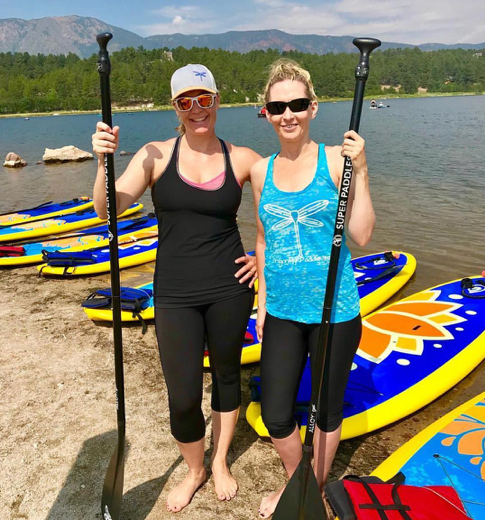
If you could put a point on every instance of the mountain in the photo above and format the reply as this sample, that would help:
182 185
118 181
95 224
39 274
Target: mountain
245 41
61 35
77 34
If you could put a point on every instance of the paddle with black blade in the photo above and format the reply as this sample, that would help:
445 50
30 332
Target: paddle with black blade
302 499
113 483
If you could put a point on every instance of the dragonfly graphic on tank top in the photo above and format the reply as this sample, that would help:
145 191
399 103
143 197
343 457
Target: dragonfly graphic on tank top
297 217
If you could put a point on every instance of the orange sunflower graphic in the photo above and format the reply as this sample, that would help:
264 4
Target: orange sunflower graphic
404 326
467 433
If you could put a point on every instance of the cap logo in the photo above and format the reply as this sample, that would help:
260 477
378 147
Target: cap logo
200 74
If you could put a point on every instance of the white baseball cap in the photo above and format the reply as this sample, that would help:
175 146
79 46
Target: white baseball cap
192 77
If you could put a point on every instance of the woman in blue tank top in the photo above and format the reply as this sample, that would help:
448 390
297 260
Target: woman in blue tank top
296 193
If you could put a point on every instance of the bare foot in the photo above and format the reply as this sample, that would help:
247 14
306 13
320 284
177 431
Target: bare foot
269 503
225 484
181 495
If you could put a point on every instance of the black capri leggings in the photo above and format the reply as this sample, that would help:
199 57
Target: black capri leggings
181 335
286 345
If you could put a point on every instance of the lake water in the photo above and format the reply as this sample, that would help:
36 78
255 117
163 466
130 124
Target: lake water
426 160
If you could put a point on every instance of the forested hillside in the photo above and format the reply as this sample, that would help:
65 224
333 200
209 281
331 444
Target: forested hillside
51 83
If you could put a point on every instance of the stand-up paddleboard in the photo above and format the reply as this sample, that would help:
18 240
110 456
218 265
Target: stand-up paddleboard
95 261
379 276
46 210
411 352
449 452
106 314
31 253
57 225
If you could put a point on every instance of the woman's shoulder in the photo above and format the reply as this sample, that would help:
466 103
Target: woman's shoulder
258 172
157 147
335 162
334 155
242 152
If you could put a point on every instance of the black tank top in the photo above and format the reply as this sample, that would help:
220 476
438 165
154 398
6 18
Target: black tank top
198 238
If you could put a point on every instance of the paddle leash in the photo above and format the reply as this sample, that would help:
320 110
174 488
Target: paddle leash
113 483
302 499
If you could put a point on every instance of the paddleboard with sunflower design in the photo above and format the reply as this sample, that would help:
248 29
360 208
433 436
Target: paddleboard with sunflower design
411 352
449 452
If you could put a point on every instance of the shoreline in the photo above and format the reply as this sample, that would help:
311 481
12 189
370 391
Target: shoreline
139 108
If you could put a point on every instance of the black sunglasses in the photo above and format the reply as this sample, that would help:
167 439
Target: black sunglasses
276 108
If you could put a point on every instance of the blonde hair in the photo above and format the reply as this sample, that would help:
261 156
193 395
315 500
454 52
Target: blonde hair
283 69
181 129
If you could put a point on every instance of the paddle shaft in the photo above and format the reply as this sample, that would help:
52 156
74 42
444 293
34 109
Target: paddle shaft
365 45
104 69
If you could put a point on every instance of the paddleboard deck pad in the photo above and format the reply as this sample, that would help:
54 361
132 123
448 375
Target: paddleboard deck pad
411 352
449 452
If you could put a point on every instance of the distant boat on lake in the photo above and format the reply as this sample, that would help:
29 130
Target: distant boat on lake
262 112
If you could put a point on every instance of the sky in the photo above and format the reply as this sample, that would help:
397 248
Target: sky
403 21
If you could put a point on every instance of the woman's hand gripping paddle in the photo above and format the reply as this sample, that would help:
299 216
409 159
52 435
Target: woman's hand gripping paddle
113 483
302 499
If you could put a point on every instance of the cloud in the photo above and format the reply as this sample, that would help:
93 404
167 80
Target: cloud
404 21
291 17
189 19
172 11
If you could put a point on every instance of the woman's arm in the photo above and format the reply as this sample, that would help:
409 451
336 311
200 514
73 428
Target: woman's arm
258 174
135 179
360 211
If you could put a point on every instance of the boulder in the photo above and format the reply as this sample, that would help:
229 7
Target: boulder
66 154
12 160
123 152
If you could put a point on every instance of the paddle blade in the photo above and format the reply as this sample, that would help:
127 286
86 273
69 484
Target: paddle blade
301 499
113 485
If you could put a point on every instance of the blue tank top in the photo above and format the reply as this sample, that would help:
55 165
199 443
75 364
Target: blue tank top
298 228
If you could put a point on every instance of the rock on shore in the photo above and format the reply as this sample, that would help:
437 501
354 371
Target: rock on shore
66 154
12 160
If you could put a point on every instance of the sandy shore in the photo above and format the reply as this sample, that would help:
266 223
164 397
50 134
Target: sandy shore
58 422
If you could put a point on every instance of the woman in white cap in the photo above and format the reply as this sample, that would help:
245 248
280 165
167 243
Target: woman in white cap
201 291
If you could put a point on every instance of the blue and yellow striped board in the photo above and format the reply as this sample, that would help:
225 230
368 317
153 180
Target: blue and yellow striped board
56 225
128 230
46 210
140 250
373 293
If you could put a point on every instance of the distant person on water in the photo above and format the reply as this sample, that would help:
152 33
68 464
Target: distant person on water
296 193
203 281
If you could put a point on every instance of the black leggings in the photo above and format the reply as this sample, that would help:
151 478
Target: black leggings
181 337
286 345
